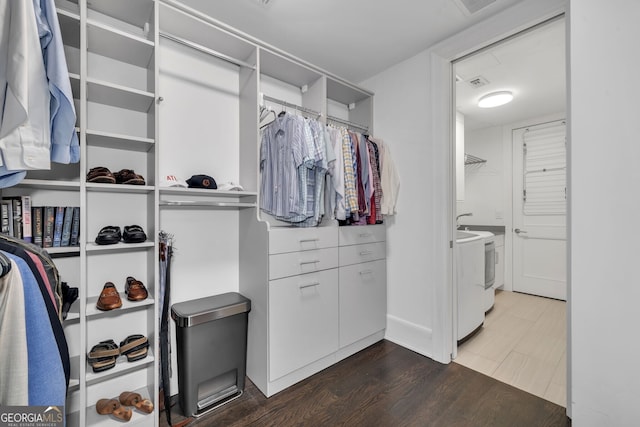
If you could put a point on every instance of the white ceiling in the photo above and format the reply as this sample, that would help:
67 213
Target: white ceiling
353 39
357 39
531 66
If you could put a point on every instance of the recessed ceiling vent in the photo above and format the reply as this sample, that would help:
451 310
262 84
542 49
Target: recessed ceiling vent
477 82
469 7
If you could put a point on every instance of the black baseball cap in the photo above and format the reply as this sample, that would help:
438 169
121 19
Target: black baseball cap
202 181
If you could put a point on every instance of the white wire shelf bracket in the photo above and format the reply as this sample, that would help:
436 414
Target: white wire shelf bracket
473 160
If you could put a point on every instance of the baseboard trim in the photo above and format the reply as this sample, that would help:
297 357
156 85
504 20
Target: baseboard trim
410 335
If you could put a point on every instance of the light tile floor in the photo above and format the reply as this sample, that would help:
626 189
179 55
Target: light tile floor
523 343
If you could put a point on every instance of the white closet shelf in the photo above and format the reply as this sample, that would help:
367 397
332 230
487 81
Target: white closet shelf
119 188
204 198
206 192
50 184
120 247
74 377
103 92
73 315
127 305
74 384
135 13
114 140
69 20
206 204
75 83
186 23
280 68
121 367
68 9
345 93
95 419
114 43
75 250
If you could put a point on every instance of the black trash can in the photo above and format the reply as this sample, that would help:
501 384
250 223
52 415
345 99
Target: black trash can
211 336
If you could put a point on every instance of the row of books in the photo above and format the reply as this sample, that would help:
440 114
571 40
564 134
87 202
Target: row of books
44 226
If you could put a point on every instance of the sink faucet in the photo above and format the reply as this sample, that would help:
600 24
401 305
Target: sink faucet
464 214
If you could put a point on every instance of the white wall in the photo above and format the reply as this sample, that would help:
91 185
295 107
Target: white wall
412 112
484 183
401 100
604 200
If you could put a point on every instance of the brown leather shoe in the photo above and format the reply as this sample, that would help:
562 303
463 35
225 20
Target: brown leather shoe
135 290
109 298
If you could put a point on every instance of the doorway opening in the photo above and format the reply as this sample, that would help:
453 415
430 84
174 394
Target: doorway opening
522 339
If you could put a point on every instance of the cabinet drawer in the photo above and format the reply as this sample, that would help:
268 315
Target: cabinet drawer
293 263
357 234
301 239
356 254
363 300
303 320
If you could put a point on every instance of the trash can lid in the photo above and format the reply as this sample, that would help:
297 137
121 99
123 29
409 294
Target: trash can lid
195 312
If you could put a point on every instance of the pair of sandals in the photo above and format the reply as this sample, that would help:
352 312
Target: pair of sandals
120 408
111 234
103 175
104 354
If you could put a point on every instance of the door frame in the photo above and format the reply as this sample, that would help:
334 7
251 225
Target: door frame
442 104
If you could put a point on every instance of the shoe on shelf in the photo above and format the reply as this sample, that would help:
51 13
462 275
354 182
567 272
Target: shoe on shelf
103 355
133 234
130 398
113 407
102 175
109 298
135 289
135 347
109 235
128 177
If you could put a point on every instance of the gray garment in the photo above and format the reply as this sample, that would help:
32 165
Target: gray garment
14 364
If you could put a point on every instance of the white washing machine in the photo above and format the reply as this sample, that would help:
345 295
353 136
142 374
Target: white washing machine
489 267
470 278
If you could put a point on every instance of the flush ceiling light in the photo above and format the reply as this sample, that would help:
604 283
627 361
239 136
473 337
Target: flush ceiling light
495 99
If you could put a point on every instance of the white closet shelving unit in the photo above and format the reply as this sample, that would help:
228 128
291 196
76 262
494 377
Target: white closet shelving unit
291 275
110 46
164 90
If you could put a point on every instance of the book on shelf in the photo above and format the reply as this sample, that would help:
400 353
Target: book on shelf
5 218
57 226
26 219
15 227
36 224
75 227
48 220
66 226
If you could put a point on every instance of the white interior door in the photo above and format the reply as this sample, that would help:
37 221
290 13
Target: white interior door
539 210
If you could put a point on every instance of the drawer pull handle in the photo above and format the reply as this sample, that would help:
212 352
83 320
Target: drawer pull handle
315 239
363 235
366 272
309 285
309 262
363 253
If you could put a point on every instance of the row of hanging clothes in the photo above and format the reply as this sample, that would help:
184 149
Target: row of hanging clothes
310 170
34 357
37 114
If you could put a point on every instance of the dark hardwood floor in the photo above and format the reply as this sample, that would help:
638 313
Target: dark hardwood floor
387 385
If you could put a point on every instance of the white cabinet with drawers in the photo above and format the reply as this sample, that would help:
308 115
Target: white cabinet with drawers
325 299
303 320
363 283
